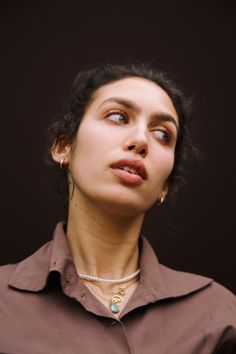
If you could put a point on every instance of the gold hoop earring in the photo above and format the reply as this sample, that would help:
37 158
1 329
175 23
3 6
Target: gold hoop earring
61 163
160 200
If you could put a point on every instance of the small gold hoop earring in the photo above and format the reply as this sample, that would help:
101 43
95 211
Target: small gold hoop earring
160 201
61 163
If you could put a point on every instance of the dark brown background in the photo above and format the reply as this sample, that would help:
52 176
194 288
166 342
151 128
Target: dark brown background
44 44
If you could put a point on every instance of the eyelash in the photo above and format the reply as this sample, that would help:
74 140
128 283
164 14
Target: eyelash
164 132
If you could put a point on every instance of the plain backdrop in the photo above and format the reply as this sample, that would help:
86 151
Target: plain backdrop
45 43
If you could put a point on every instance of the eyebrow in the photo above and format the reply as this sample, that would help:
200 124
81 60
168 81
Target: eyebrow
157 116
124 102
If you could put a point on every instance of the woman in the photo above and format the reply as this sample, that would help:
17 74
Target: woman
97 287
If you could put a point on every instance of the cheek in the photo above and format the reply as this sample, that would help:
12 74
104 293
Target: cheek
86 145
93 139
164 165
91 149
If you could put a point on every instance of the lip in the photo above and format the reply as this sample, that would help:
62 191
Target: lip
130 177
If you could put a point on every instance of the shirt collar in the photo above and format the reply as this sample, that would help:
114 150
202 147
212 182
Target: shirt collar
157 282
166 281
32 273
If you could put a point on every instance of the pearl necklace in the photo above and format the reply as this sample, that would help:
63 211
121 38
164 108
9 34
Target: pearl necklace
110 281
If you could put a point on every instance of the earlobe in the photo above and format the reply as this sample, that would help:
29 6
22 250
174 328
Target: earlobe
60 151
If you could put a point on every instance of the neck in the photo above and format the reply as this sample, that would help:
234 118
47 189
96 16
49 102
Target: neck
103 244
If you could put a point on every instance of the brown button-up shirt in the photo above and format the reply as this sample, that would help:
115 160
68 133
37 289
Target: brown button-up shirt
46 309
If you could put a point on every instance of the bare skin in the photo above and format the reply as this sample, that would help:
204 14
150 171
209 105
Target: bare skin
106 248
107 206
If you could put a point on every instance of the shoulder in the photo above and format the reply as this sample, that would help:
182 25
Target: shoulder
209 304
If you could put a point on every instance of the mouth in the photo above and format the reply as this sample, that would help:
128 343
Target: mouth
132 167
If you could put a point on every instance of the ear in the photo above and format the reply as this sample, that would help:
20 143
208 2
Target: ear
60 151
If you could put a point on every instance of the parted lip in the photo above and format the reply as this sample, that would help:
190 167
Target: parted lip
132 163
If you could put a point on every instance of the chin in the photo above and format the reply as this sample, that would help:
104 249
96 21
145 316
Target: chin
120 201
125 207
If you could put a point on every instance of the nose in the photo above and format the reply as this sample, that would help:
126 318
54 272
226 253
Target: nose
137 142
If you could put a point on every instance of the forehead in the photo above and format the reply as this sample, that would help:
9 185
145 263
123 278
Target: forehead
144 92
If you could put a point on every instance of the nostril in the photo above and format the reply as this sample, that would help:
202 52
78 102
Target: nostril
132 147
143 152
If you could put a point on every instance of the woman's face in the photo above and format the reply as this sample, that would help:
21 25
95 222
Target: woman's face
123 152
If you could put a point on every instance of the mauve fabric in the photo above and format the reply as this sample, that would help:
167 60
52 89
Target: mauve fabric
46 309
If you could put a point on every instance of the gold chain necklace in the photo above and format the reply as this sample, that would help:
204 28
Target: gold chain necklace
117 298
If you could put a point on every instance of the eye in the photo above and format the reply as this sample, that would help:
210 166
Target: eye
118 117
163 135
